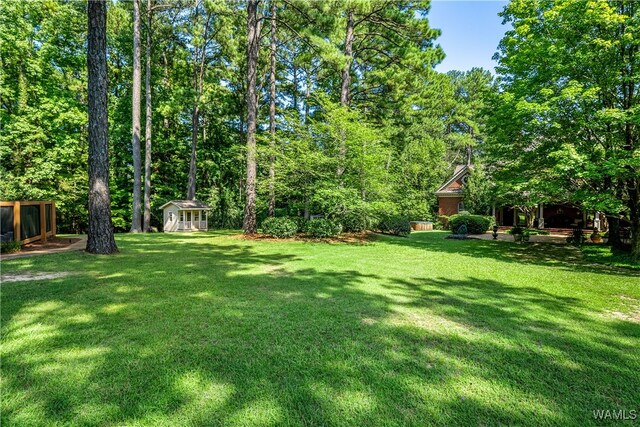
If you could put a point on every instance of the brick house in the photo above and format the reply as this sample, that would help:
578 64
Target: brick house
450 198
557 215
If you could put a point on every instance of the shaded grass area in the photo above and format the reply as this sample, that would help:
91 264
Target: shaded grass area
209 329
607 255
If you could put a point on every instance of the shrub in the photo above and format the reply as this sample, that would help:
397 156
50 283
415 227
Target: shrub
323 228
279 227
395 224
10 247
476 224
301 223
516 230
443 222
492 220
355 222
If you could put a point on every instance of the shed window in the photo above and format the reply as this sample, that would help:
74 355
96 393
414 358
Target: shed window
460 206
170 216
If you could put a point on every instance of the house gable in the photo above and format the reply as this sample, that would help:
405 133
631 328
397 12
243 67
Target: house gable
453 187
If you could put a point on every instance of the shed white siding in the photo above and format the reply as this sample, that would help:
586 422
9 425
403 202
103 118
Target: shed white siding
171 217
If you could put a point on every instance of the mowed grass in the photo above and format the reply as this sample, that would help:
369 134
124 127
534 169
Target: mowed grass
211 329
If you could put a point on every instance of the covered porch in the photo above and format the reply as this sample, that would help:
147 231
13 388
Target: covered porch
550 217
194 220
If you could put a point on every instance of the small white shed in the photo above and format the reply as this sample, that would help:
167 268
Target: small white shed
185 215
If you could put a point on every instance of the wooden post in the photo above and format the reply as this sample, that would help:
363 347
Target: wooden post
43 223
53 219
16 221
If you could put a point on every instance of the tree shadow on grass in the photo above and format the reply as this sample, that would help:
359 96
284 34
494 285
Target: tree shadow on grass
228 335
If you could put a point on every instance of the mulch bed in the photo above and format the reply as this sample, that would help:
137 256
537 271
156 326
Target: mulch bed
51 243
351 238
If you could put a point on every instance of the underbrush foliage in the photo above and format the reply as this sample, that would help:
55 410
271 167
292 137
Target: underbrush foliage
323 227
10 247
279 227
355 222
395 224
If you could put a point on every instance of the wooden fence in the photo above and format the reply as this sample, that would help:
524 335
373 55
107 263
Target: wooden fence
28 221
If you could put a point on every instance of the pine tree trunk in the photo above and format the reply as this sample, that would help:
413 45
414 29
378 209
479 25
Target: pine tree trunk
100 236
165 85
346 83
634 214
146 225
348 52
249 224
195 120
136 225
272 113
307 96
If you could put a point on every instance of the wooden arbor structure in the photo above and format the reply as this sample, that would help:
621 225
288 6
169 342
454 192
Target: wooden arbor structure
28 221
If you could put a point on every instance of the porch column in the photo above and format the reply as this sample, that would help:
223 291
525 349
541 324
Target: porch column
541 216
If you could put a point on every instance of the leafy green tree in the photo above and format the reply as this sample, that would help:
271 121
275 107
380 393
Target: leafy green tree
568 111
479 191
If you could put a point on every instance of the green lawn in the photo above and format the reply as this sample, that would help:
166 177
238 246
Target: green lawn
211 329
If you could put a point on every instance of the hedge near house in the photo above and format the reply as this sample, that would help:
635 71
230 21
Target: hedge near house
476 224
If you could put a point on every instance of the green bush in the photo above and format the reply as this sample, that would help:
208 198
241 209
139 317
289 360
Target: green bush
395 224
10 247
301 223
323 228
355 222
476 224
279 227
491 219
516 230
442 223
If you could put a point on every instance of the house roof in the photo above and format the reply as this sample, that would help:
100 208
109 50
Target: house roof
460 171
186 204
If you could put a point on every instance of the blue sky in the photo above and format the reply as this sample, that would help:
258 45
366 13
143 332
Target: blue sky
471 31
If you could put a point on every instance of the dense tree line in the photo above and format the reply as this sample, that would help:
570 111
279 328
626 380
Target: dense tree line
345 108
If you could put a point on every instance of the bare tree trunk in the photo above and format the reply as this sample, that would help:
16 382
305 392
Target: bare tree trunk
634 214
294 73
199 59
253 26
272 113
346 83
348 52
165 84
100 237
307 95
147 130
136 225
195 119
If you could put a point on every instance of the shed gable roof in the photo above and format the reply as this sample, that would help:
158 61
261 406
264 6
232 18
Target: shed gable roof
186 204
